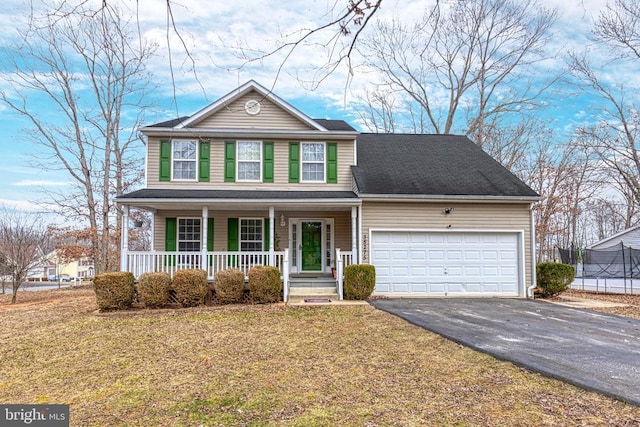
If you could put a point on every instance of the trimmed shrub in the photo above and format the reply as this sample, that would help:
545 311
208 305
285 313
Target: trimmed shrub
153 289
359 281
553 278
190 286
114 291
265 285
229 286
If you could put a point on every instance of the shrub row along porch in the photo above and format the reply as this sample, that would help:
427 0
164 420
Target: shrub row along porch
140 262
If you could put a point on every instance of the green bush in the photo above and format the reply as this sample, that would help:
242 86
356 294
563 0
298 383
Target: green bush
359 281
229 286
265 285
114 291
190 286
553 278
153 289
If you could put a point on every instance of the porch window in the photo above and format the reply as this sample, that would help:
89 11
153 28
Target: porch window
313 162
189 234
251 234
249 160
185 155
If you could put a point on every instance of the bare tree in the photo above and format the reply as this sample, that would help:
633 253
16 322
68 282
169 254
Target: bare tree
468 66
614 136
23 242
89 68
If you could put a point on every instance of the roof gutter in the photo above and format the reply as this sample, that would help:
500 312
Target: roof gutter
248 133
265 202
447 198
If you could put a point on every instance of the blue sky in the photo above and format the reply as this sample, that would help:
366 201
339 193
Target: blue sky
212 29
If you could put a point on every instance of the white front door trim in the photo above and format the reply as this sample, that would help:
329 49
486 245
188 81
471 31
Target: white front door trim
327 246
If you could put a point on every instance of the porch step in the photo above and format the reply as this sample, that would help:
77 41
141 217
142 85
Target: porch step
312 282
315 292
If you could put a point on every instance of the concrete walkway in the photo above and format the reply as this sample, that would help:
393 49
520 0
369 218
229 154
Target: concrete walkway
595 351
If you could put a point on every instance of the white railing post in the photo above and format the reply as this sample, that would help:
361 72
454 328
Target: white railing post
339 268
285 276
124 241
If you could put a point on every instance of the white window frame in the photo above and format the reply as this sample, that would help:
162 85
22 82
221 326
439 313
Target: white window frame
238 161
240 240
178 240
195 160
303 162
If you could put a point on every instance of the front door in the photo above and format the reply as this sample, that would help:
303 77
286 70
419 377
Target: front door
311 246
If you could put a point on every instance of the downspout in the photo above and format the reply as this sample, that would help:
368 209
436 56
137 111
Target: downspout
533 254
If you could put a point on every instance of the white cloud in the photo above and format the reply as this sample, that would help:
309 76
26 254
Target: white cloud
41 183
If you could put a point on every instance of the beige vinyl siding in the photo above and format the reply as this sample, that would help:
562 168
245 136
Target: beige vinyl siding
233 116
281 170
342 224
465 216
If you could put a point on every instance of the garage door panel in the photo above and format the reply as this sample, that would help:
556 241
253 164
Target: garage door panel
436 263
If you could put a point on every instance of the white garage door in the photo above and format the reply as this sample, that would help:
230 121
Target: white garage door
445 264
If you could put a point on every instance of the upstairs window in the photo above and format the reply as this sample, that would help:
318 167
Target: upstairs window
313 166
185 157
249 161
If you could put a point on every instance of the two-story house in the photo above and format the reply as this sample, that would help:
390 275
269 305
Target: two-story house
251 180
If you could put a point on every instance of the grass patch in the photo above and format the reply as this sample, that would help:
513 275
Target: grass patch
269 365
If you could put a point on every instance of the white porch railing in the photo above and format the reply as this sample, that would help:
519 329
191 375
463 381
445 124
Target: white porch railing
170 262
139 263
344 259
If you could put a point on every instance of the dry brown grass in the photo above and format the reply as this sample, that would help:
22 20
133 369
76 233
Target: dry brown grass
268 365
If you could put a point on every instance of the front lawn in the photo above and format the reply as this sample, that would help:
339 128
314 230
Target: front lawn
268 365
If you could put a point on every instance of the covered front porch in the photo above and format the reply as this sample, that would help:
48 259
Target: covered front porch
300 238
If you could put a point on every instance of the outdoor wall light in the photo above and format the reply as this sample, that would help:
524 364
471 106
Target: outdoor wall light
447 211
283 220
138 223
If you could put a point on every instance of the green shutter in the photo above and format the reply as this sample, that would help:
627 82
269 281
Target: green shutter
232 234
332 163
170 234
267 161
229 161
210 234
170 239
294 162
266 234
203 161
165 160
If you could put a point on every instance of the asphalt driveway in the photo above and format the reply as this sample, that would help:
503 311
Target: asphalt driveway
595 351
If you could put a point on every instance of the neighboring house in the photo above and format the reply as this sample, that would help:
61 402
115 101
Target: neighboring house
629 237
252 180
81 268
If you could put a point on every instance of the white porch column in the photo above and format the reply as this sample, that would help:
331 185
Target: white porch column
360 258
152 231
354 235
205 223
124 241
272 230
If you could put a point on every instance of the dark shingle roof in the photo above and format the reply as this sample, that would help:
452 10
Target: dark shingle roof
169 123
334 124
449 165
166 193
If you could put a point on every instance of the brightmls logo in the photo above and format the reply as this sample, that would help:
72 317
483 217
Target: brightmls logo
34 415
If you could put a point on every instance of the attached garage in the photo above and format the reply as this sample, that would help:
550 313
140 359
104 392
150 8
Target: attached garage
435 263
